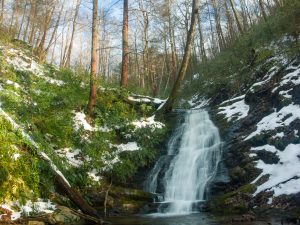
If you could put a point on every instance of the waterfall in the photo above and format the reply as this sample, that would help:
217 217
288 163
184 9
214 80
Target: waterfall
195 151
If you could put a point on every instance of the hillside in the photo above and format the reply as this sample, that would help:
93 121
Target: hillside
260 127
42 117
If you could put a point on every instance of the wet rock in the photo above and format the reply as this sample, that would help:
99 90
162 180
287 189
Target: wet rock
244 218
36 223
268 157
63 215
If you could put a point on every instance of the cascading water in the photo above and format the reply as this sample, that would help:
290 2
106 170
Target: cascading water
195 151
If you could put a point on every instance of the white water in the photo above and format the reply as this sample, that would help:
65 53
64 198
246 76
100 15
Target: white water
194 164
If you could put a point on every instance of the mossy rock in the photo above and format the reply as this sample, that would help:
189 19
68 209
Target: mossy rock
236 202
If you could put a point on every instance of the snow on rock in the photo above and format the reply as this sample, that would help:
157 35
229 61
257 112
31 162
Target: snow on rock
277 119
148 122
197 103
145 99
73 157
284 177
236 110
279 60
290 79
37 207
130 146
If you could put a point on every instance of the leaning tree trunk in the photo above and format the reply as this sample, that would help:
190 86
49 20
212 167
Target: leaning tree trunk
93 89
185 61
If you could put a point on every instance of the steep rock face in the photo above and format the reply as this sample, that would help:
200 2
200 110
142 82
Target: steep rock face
261 134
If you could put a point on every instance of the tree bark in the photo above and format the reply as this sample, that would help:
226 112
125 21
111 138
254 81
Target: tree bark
172 43
22 21
262 9
2 12
93 89
125 53
55 27
221 38
41 50
185 61
33 25
236 17
68 60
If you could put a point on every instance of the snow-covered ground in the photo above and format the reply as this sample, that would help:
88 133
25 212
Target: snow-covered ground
20 61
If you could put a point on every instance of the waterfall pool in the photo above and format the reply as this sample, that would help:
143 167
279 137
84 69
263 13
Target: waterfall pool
191 219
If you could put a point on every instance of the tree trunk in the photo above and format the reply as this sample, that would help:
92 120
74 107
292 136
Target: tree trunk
185 61
41 50
229 20
202 47
2 12
221 38
236 17
22 21
125 53
93 89
172 43
33 25
68 58
262 9
55 27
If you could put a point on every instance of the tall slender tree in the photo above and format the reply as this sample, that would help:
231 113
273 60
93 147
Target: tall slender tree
185 61
93 88
125 53
239 25
2 11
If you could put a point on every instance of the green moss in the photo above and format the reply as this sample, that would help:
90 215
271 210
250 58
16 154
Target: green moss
247 189
19 178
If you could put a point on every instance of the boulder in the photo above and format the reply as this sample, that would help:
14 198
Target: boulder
63 215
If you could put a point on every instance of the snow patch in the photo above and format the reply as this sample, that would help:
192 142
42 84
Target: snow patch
37 207
130 146
93 174
73 156
236 110
148 122
284 176
80 121
16 85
